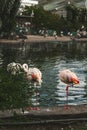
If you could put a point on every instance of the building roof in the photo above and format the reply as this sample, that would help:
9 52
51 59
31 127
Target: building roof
29 2
59 4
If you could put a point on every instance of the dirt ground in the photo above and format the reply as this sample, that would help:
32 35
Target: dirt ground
36 38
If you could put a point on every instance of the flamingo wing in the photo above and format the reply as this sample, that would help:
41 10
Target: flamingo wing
34 74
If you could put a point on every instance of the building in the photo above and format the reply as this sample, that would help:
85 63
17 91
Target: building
58 6
52 4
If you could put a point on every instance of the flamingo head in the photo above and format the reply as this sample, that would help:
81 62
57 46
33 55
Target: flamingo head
75 81
25 68
36 78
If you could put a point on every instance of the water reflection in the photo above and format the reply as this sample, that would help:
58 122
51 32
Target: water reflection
50 58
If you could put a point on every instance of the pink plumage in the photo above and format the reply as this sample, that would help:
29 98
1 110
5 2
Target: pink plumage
33 74
69 78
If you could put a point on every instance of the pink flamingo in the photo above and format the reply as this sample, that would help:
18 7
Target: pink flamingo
33 75
69 78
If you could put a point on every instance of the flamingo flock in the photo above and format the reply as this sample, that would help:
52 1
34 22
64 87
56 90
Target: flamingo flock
34 75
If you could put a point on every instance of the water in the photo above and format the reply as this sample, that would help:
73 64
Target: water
50 58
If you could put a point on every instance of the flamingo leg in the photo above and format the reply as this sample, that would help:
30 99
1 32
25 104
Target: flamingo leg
36 95
30 107
37 108
72 84
67 88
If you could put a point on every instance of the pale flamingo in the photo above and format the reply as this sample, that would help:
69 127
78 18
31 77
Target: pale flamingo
69 78
33 75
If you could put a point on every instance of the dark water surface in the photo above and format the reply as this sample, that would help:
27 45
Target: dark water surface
50 58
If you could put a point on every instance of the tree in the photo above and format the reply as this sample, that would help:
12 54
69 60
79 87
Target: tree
42 18
15 91
8 11
72 12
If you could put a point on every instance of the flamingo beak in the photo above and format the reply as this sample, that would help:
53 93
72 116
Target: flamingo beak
75 81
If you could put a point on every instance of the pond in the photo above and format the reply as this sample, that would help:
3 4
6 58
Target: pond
50 58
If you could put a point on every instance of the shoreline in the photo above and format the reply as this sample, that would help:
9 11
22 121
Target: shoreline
59 111
31 38
36 39
42 39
